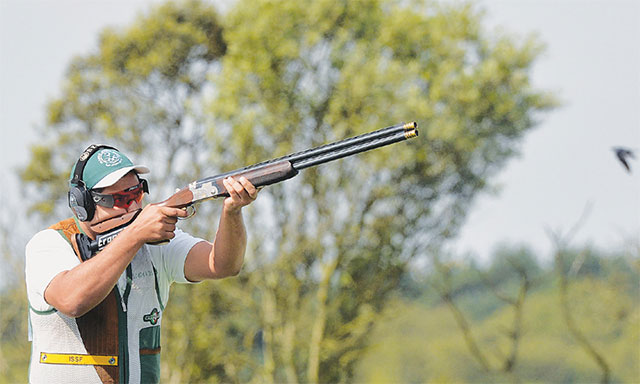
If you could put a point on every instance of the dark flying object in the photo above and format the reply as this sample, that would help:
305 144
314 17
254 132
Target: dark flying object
624 154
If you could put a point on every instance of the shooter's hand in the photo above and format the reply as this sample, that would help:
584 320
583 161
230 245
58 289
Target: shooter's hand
156 223
241 193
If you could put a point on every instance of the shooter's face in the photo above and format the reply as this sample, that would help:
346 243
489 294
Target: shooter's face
122 197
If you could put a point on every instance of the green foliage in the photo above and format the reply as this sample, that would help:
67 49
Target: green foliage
139 91
415 341
14 348
40 170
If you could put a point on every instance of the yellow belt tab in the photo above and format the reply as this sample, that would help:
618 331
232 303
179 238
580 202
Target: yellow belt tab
65 358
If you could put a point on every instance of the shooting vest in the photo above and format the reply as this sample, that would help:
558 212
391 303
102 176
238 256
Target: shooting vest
118 341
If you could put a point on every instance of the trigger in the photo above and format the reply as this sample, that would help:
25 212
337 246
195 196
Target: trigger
191 210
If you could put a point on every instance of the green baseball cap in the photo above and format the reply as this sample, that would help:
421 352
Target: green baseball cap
105 167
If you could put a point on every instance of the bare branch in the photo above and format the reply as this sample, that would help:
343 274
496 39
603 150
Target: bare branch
561 244
445 293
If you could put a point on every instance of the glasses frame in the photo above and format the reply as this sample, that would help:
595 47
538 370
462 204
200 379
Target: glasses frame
108 200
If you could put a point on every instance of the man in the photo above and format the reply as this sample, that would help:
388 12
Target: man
99 320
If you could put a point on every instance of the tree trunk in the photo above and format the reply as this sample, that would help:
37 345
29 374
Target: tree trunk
317 331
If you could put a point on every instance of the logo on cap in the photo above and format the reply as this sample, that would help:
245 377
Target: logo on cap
109 158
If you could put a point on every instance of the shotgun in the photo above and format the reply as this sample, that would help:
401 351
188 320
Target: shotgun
260 175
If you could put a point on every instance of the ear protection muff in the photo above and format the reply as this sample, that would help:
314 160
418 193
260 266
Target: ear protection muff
80 199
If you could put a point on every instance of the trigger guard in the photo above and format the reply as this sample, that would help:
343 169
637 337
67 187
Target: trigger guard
191 210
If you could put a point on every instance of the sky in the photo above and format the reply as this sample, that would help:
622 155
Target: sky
566 164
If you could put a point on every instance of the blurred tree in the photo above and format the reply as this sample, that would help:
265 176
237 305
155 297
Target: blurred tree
14 348
563 258
506 258
142 90
328 247
521 264
420 341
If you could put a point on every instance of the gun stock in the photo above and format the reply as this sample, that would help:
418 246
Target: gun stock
181 199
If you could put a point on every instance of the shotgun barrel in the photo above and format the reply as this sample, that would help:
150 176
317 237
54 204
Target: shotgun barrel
286 167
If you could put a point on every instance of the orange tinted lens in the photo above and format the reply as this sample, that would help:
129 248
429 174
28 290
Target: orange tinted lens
126 198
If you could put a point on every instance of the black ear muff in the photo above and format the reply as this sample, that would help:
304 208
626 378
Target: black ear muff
145 186
81 203
80 199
